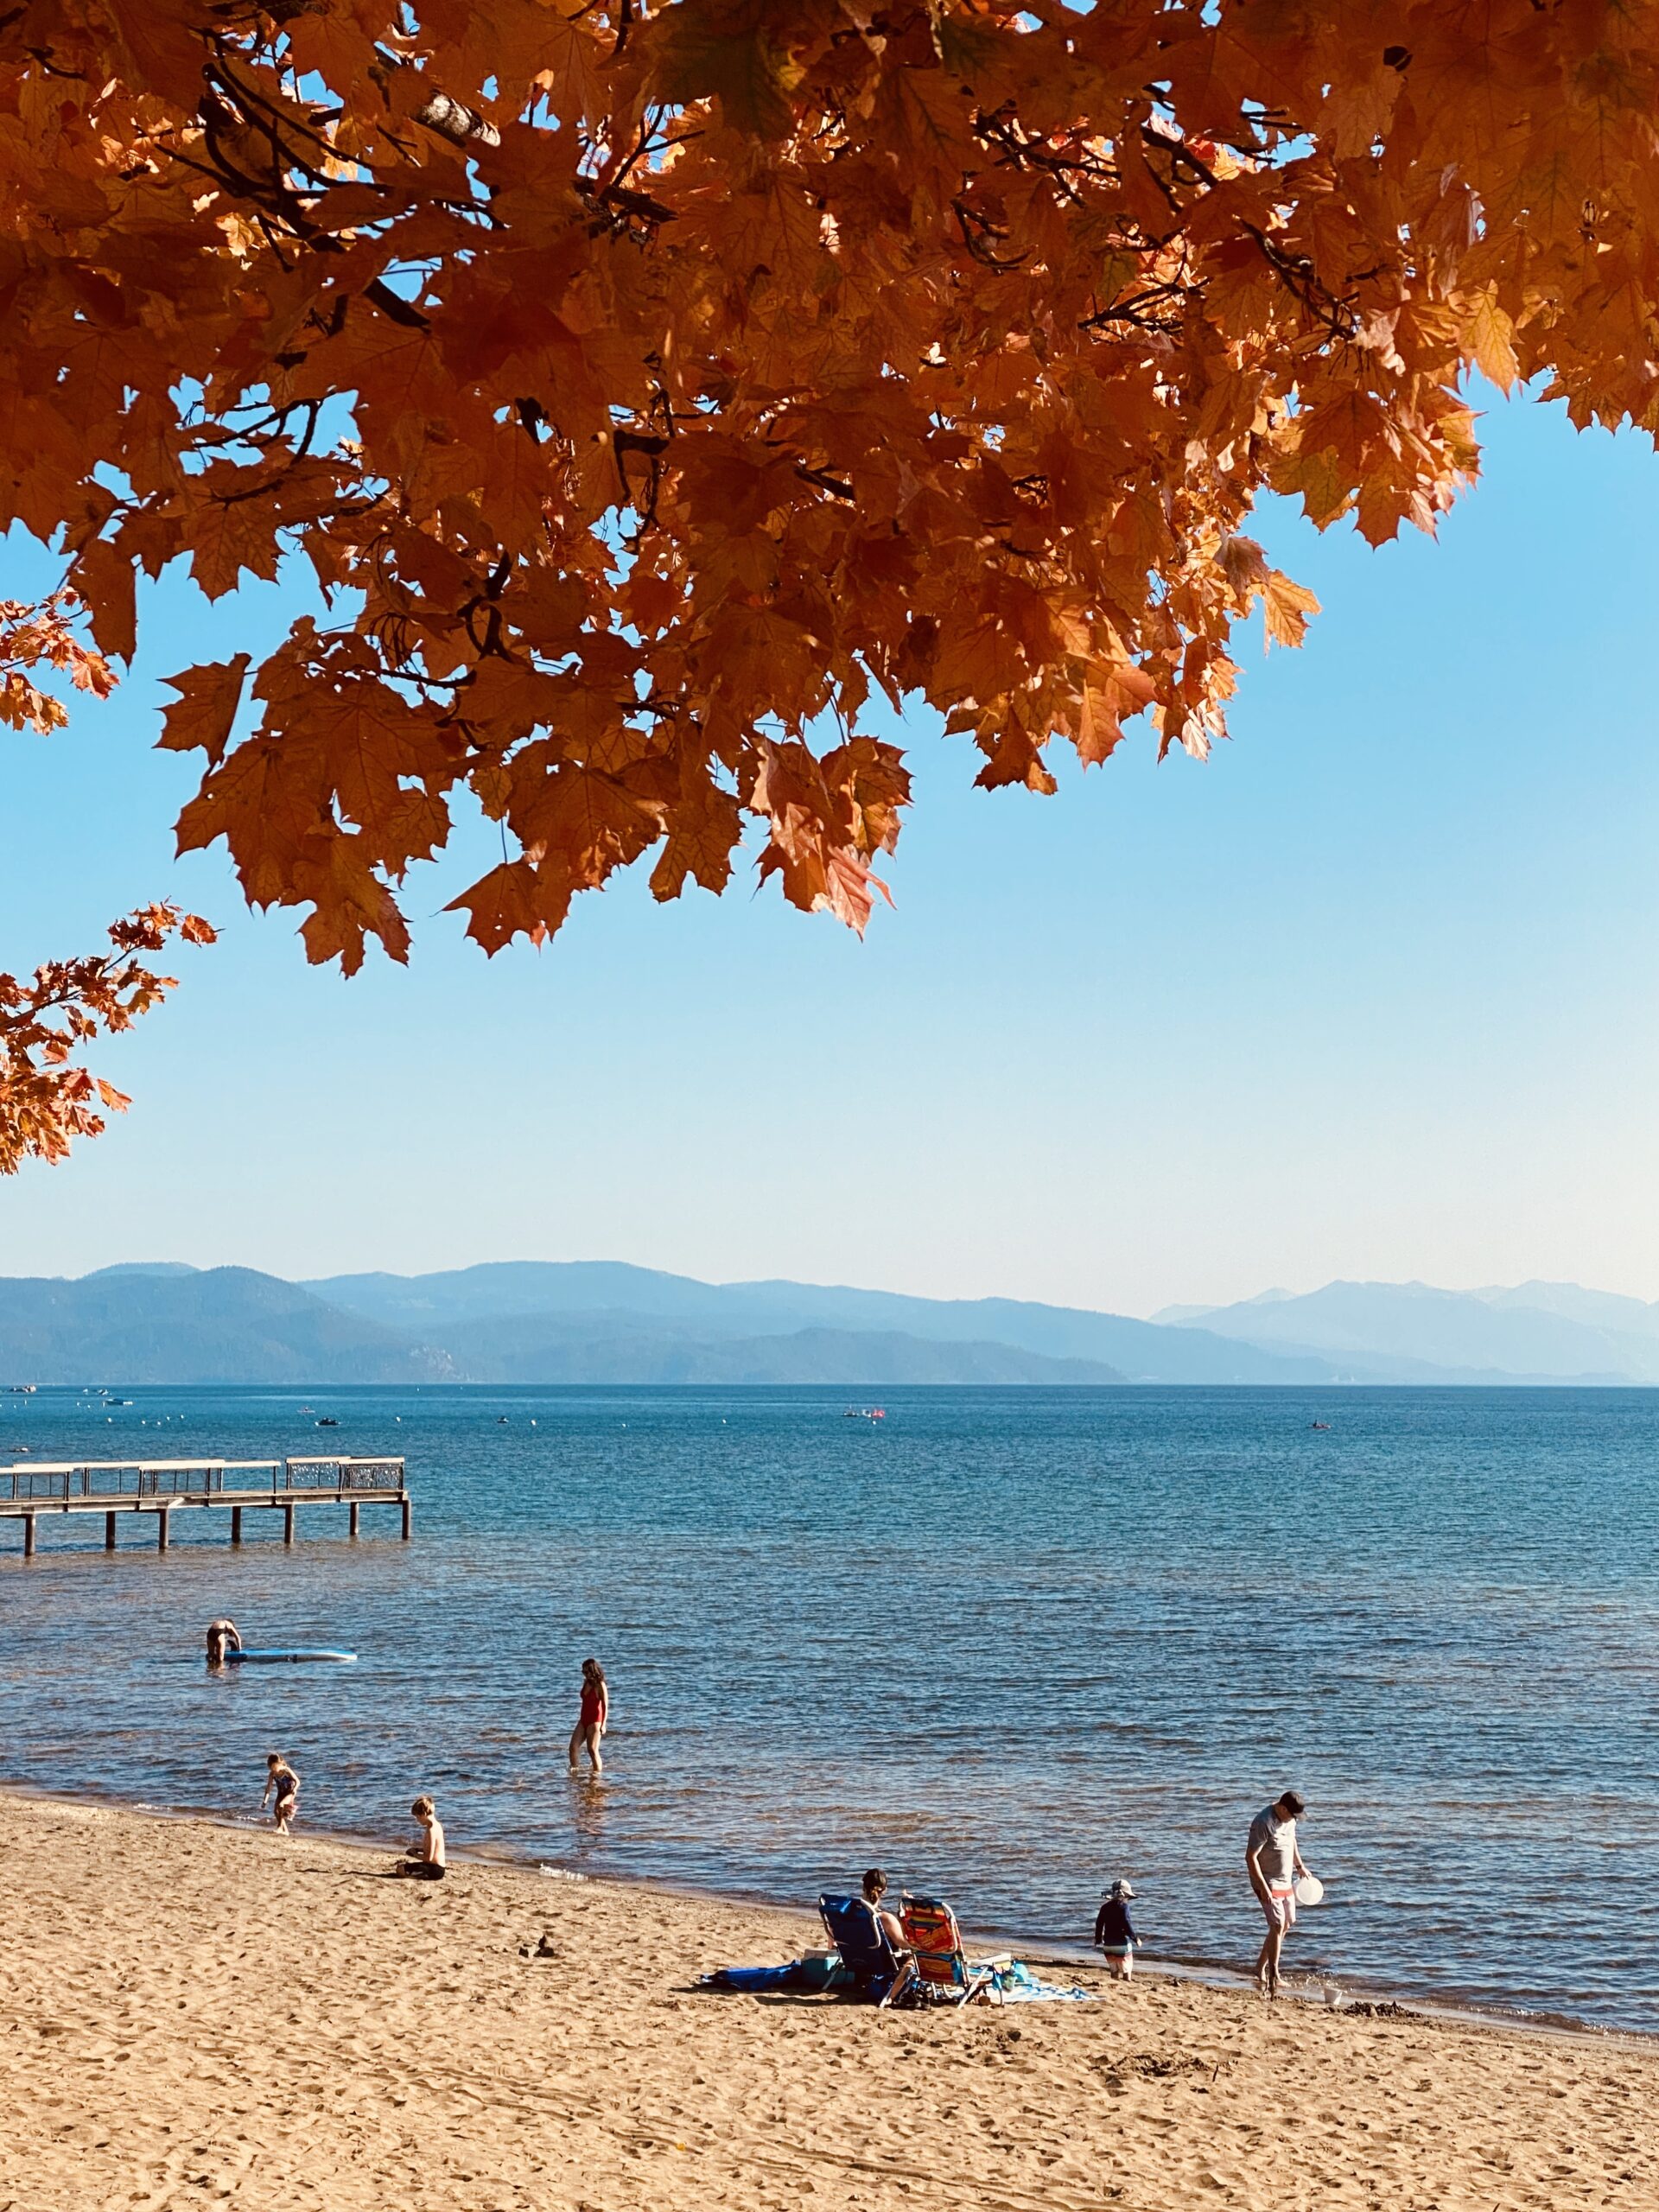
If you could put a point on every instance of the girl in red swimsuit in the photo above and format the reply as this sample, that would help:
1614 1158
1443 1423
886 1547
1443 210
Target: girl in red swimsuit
594 1718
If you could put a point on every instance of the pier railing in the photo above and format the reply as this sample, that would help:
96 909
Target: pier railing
123 1481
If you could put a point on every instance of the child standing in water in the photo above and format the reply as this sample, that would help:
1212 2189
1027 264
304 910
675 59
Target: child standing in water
1115 1932
281 1777
595 1714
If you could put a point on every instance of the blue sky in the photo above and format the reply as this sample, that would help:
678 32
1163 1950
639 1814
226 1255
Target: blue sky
1370 993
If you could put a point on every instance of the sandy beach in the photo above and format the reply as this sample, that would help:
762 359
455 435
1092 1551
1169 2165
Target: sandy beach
192 2013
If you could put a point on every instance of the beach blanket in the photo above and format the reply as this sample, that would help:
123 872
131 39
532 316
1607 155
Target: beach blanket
1017 1985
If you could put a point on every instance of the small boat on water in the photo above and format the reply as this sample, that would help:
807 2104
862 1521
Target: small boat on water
1320 1424
865 1413
326 1420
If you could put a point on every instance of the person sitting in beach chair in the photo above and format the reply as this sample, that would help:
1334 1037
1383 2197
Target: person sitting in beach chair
944 1975
875 1888
864 1936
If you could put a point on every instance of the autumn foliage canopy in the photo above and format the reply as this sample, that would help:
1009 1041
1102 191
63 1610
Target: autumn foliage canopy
649 386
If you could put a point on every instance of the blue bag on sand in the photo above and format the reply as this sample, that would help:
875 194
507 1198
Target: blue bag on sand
789 1977
818 1971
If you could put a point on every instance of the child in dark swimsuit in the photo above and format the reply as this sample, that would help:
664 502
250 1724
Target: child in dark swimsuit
281 1777
595 1713
1115 1931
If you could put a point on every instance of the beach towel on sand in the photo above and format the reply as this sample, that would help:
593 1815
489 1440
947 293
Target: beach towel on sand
1017 1985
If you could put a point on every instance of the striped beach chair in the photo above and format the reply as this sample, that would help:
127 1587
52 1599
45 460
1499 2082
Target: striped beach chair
944 1974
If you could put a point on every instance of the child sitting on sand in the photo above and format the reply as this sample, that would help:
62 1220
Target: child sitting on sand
428 1861
281 1777
1115 1932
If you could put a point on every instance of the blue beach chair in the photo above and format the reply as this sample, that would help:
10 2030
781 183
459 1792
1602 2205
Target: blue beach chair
865 1951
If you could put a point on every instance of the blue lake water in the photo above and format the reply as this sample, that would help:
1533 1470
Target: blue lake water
1007 1644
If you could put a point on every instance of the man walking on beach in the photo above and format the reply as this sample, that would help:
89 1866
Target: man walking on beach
1274 1862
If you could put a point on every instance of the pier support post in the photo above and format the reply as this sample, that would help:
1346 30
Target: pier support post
28 1535
354 1509
162 1519
288 1523
108 1532
236 1524
409 1520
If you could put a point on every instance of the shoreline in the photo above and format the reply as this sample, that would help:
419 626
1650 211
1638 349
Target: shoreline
198 2013
1360 1997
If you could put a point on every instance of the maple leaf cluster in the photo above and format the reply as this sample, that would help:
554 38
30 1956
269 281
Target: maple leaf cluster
651 386
46 1098
42 635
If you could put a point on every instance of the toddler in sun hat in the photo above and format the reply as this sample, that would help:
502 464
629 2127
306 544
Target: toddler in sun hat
1115 1931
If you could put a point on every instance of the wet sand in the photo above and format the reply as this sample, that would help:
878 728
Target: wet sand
192 2014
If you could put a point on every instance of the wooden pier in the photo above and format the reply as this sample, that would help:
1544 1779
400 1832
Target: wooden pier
165 1487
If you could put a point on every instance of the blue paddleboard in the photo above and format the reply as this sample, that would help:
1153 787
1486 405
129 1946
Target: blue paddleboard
273 1658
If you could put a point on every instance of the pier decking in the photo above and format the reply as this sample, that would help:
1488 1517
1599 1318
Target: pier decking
165 1487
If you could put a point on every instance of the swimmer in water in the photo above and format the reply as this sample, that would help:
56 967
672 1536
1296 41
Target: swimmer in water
223 1635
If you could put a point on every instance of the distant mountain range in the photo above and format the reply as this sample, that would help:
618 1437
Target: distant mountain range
599 1321
1409 1332
553 1304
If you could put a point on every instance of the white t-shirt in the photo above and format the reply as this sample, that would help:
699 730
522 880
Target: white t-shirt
1274 1842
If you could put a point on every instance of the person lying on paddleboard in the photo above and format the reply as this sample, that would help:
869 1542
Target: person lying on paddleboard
427 1860
223 1635
281 1777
